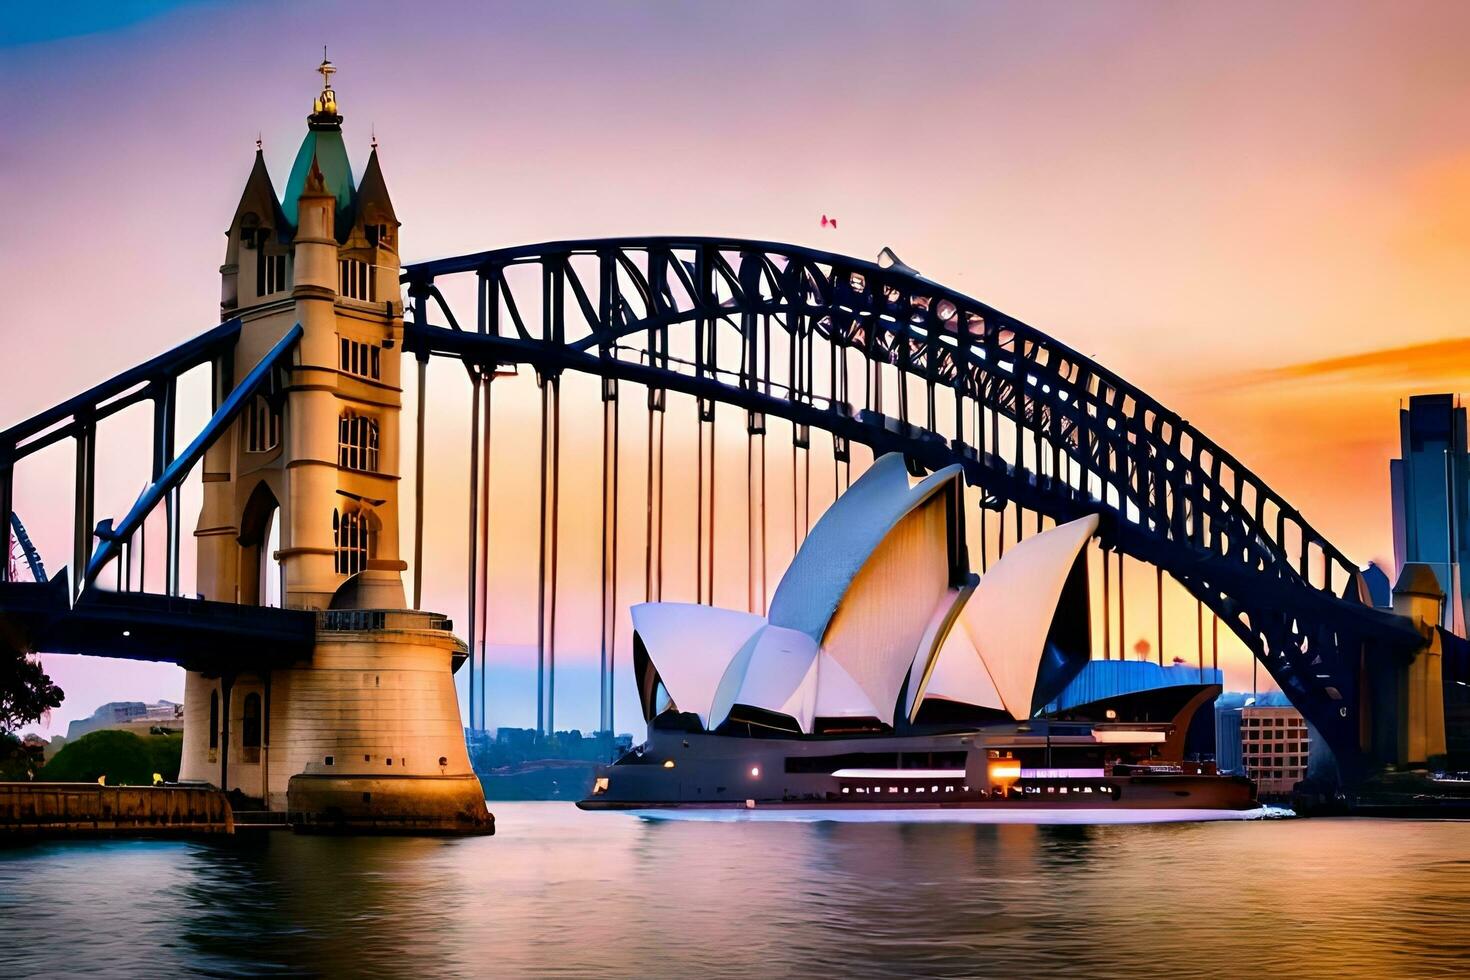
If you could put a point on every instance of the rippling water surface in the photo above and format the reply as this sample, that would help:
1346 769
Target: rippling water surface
558 891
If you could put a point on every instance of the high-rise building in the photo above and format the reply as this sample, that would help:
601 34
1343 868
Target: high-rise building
1431 499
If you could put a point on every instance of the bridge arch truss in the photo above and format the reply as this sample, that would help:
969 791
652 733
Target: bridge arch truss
881 356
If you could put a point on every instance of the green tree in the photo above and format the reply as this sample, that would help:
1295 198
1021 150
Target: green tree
26 693
124 758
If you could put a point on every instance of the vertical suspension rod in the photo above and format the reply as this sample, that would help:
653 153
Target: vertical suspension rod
484 570
1159 595
609 550
541 564
1107 602
1122 606
473 599
1199 628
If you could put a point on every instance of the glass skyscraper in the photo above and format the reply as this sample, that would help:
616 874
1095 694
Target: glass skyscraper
1431 498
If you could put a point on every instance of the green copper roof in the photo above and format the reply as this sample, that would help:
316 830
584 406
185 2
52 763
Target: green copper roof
331 156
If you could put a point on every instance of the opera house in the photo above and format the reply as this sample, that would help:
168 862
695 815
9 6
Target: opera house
889 675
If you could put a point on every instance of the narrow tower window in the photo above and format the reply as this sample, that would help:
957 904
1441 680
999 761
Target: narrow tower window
262 426
355 541
357 281
213 720
360 359
270 273
357 442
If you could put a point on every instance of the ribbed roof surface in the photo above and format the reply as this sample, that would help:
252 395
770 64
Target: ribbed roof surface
841 542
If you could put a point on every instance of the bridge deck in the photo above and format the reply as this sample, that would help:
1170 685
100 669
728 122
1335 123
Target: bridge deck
194 633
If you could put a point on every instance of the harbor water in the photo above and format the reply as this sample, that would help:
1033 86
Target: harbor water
561 892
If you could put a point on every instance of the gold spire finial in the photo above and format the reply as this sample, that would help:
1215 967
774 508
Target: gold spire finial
327 101
375 136
327 69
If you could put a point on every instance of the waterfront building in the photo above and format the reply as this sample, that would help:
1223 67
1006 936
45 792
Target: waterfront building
1229 715
1141 690
1431 499
1275 745
887 674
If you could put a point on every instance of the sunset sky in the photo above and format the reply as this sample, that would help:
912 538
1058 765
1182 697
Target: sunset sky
1258 212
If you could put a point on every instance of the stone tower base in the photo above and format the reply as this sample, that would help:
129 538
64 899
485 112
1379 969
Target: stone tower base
365 737
389 805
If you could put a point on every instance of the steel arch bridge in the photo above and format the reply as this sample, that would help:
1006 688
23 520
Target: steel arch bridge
873 354
821 340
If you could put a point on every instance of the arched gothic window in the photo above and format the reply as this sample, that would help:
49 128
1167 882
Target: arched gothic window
355 538
357 442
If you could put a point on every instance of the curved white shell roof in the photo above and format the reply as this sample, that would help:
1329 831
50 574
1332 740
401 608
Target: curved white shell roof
690 646
844 538
768 672
843 634
1002 628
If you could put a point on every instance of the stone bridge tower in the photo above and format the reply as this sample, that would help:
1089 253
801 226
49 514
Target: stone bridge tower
301 511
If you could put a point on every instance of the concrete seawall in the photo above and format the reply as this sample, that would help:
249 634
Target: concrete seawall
88 810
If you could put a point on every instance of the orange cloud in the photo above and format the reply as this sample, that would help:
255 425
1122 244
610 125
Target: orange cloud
1438 362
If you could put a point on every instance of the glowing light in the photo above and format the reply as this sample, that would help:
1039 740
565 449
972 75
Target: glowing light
127 632
755 771
669 764
1112 714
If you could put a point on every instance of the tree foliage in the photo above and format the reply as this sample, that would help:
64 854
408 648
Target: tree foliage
26 693
124 758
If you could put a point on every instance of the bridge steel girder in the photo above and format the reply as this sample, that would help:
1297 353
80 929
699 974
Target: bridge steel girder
1167 494
78 417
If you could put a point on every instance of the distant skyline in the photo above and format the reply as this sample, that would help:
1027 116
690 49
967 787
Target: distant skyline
1259 213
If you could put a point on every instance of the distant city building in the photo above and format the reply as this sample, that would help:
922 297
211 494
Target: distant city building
1241 738
1275 745
1262 737
1431 499
130 716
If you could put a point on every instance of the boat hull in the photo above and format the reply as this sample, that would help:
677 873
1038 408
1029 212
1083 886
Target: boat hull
698 771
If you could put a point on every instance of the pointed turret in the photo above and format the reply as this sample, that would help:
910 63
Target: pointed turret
373 203
256 230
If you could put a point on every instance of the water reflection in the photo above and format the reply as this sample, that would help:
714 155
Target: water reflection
563 892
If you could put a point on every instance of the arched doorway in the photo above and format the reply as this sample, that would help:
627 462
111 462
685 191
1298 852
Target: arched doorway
261 576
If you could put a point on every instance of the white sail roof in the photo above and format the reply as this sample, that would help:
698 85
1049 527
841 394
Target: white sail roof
960 673
771 671
690 647
866 604
842 541
1007 619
